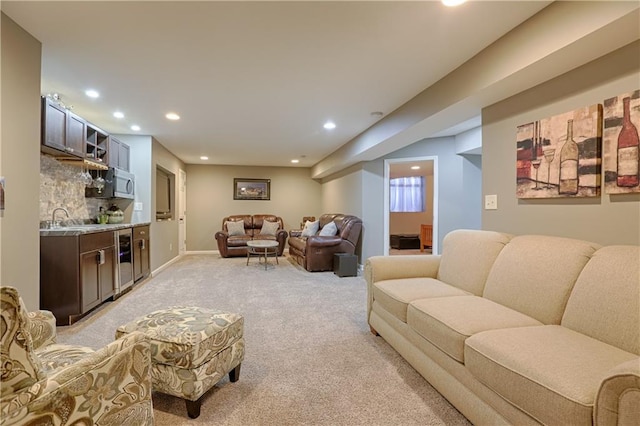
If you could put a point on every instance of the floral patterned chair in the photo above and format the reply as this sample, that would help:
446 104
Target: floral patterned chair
44 383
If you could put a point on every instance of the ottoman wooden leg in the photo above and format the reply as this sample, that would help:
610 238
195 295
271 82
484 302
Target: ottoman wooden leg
193 408
234 374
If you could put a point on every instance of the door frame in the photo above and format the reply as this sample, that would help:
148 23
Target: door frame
182 212
435 249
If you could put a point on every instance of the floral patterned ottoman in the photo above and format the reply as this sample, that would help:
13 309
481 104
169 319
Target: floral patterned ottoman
191 350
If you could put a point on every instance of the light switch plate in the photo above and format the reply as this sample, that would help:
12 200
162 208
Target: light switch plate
491 202
137 207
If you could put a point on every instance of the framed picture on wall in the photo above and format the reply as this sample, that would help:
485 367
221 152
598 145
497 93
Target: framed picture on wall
251 189
621 144
560 156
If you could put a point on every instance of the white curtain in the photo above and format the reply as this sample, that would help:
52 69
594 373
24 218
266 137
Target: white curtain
407 194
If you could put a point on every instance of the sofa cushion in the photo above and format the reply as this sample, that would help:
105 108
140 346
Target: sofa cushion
550 372
269 228
310 228
238 241
235 228
395 295
605 301
467 257
56 355
534 274
448 321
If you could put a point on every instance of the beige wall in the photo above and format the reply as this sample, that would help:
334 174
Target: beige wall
210 198
342 192
164 234
607 219
20 161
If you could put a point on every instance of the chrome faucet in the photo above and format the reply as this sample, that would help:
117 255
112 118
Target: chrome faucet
53 216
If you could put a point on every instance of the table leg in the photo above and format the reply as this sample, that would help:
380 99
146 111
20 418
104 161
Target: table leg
265 258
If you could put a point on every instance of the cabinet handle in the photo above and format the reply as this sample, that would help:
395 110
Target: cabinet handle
101 257
142 244
141 232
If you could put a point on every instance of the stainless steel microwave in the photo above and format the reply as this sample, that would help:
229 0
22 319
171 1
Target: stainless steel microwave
118 184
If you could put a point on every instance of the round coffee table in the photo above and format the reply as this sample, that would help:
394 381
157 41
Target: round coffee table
262 248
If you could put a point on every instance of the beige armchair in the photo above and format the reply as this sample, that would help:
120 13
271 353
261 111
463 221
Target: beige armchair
47 383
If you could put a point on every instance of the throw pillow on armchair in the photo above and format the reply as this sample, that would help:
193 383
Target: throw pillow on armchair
329 230
310 228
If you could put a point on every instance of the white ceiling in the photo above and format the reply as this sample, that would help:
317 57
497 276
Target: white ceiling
254 81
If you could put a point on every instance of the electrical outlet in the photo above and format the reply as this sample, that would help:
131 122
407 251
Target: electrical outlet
491 202
137 207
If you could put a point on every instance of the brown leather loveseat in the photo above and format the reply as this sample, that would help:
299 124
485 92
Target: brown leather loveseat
315 253
231 245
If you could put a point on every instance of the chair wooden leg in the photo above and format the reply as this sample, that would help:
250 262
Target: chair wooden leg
193 408
234 374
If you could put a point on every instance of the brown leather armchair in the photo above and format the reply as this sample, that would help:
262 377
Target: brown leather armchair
236 245
315 253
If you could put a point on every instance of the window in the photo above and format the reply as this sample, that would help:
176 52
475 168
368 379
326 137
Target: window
164 194
406 194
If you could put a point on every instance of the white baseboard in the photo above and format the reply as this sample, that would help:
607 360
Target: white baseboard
165 266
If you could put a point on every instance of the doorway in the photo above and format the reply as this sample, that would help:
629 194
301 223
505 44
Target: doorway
410 223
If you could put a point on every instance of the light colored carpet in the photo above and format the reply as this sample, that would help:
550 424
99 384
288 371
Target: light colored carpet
310 358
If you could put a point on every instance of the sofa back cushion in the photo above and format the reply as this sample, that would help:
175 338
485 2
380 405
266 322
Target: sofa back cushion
534 274
467 257
258 221
605 301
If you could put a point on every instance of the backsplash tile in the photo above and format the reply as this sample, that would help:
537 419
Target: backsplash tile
60 186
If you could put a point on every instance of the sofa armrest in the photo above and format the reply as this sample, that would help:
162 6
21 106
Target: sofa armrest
109 386
42 328
221 239
380 268
618 398
324 241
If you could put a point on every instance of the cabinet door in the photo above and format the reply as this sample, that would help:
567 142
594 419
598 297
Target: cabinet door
75 135
144 256
54 125
90 280
114 152
123 157
107 273
141 261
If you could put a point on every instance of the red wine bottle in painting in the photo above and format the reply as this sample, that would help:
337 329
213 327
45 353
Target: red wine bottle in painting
569 164
628 146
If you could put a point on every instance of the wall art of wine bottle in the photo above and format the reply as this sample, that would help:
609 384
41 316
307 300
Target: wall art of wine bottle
560 156
621 145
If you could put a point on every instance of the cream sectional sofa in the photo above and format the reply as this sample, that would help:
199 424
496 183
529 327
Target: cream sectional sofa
517 329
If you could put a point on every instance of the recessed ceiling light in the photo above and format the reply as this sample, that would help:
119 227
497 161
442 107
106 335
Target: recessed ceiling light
329 125
294 161
135 128
204 157
415 167
118 114
452 3
172 116
92 93
377 114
